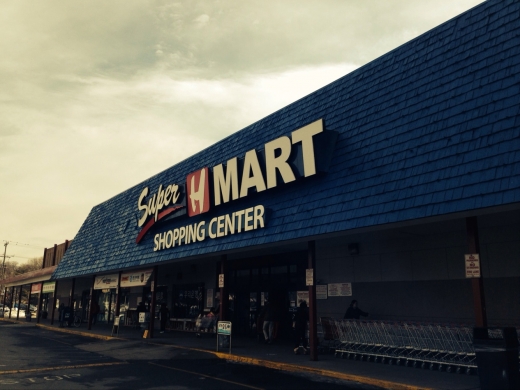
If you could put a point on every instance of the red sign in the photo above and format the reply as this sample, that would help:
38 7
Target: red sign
197 188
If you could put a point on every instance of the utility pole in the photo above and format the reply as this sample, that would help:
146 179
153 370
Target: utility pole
3 263
3 267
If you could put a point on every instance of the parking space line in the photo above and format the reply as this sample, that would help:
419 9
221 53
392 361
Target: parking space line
208 376
75 366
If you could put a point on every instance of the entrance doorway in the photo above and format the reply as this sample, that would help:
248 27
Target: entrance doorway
253 282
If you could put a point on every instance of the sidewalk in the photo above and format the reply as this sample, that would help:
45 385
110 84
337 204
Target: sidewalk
280 356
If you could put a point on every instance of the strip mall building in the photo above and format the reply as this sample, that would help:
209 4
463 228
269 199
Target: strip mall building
374 187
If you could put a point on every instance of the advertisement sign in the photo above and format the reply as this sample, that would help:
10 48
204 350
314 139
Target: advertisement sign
472 265
340 289
35 288
48 287
221 281
106 281
136 278
321 291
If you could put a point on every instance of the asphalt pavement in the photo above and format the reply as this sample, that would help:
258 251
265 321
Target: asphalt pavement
278 356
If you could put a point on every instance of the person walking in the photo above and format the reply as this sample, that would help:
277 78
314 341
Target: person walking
164 314
268 325
354 312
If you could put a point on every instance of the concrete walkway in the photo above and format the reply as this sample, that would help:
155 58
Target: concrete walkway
280 356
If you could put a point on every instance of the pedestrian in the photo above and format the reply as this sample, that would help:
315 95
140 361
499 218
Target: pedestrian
164 315
95 312
300 328
354 312
61 314
268 315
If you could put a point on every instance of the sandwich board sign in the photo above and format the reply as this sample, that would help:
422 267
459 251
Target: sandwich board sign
224 334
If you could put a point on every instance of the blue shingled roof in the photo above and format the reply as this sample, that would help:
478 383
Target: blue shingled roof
430 128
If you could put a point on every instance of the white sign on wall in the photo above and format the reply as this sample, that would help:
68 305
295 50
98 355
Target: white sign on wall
472 265
136 278
321 291
309 277
340 289
106 281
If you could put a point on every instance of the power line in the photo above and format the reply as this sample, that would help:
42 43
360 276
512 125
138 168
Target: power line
23 244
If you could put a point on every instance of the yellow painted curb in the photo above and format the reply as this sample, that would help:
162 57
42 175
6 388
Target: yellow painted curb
304 369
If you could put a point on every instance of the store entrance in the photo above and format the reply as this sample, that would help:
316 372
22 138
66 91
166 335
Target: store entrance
255 281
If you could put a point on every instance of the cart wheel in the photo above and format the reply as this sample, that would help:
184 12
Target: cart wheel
424 365
459 370
440 367
449 369
398 362
468 370
391 362
407 363
415 364
432 366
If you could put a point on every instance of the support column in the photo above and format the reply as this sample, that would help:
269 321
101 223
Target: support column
12 302
313 327
118 295
5 296
224 291
29 301
54 301
19 302
71 295
477 284
91 297
152 309
40 302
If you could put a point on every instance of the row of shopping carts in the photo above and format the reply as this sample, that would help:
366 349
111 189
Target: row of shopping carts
446 347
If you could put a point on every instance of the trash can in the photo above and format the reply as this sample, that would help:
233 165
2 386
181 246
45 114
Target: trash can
496 350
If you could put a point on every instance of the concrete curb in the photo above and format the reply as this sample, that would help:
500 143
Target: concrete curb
294 368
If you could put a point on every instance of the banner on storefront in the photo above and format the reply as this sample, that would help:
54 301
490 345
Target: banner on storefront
136 278
35 288
48 287
106 281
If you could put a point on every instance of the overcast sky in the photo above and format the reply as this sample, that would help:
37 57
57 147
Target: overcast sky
97 96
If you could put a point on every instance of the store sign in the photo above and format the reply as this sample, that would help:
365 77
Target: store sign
35 288
321 291
472 265
48 287
305 153
136 278
309 277
106 281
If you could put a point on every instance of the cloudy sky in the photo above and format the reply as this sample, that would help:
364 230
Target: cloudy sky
96 96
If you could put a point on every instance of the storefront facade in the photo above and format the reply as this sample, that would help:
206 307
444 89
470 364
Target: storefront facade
380 182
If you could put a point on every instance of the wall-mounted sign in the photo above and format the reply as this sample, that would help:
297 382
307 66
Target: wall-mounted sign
136 278
35 288
321 291
307 151
106 281
221 281
340 289
309 277
472 265
48 287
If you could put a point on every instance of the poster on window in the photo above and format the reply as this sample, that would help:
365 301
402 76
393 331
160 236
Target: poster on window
302 296
136 278
209 298
48 287
106 281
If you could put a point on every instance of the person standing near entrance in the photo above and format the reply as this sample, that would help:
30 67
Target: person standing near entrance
269 319
354 312
300 327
